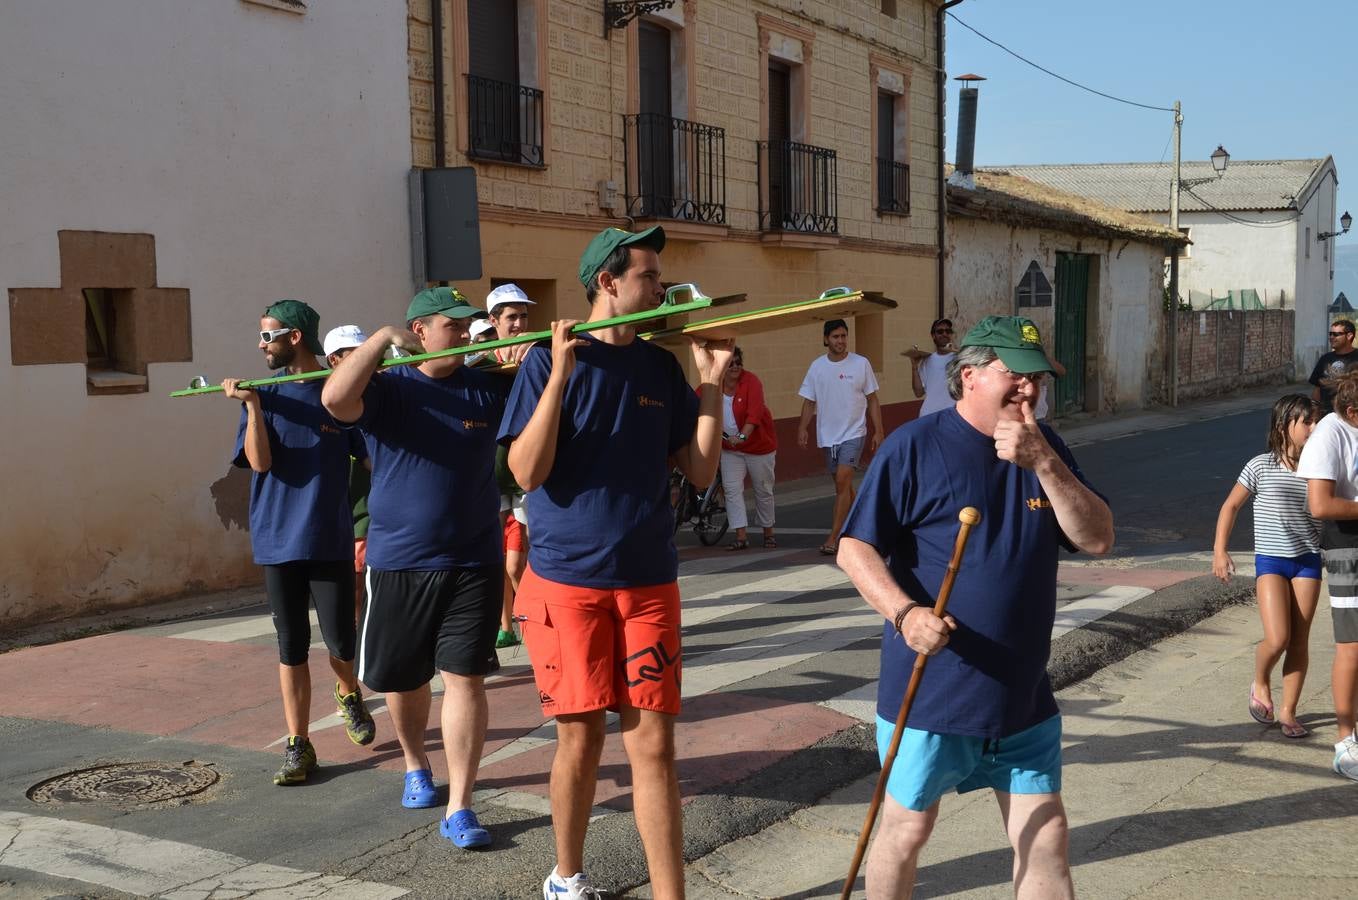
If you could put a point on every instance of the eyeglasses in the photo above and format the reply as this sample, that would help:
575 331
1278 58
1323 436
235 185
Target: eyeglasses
1338 333
272 335
942 331
1034 378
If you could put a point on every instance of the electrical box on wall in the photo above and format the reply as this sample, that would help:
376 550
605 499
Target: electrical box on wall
445 225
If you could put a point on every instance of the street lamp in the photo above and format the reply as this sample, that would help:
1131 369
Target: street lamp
1344 222
1220 158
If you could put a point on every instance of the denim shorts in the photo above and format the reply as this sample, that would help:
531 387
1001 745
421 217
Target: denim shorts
929 764
1305 566
845 454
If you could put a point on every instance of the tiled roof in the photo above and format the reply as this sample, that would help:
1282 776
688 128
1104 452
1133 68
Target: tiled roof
1002 197
1269 184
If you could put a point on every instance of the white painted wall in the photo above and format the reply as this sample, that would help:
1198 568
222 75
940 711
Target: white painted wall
267 153
986 260
1315 273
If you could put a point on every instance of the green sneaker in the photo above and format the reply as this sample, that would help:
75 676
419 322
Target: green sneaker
358 722
506 639
299 761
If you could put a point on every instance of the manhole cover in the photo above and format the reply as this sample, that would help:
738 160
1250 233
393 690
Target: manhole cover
126 784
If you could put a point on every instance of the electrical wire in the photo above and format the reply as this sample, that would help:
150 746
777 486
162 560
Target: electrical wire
1270 223
1053 74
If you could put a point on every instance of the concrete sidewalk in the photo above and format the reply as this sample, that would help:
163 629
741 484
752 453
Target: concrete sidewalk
1171 789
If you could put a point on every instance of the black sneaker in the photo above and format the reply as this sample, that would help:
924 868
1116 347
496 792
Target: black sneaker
358 722
299 761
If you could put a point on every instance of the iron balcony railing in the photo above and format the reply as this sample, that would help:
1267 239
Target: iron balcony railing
893 187
504 121
676 169
802 191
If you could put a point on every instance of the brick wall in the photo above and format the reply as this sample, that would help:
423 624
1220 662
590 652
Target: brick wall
586 78
1220 350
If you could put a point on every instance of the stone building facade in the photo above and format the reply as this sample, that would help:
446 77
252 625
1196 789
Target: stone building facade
786 147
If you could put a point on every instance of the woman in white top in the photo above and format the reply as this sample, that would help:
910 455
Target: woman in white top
1287 559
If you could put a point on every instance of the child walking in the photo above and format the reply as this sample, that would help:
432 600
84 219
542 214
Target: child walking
1286 559
1328 465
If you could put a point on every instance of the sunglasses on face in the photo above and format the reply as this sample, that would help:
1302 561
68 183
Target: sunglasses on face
942 331
272 335
1338 333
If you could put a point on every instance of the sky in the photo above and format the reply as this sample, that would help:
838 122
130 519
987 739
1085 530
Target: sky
1266 80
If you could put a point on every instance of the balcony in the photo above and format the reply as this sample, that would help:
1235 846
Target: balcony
504 122
893 187
676 169
800 188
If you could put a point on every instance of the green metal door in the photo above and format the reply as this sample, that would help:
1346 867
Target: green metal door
1072 292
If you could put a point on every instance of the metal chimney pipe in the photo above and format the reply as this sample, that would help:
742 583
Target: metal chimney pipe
966 130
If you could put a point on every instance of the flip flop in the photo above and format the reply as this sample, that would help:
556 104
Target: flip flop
828 549
1294 730
770 543
738 545
1260 711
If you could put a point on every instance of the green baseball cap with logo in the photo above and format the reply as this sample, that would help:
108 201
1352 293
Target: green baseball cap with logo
610 239
443 300
296 314
1015 341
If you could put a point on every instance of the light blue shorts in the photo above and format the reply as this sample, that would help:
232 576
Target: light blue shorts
848 454
929 764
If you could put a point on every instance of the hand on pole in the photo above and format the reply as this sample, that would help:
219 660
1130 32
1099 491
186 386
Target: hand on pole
563 347
926 633
230 389
711 358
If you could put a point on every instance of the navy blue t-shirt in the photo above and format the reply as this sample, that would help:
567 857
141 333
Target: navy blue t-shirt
602 519
990 681
433 503
299 509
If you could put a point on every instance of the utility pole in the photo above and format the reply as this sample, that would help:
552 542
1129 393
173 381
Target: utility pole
1174 266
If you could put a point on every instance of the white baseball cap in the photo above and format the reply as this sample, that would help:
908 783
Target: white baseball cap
506 294
480 327
343 337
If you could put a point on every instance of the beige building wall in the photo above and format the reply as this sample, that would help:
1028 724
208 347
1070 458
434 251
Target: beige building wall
535 221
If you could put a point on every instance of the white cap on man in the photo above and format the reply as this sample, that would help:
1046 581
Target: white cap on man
343 337
506 294
480 327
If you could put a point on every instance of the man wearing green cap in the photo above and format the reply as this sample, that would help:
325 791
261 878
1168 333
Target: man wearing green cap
435 545
300 527
985 716
592 427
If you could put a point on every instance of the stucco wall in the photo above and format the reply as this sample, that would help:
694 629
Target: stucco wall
1124 359
266 153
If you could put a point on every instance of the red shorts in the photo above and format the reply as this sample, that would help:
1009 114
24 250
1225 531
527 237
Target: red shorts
360 555
514 535
601 648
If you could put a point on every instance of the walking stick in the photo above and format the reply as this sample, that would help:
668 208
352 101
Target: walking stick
969 516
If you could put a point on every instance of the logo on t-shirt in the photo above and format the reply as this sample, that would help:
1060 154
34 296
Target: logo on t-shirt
469 424
1037 503
329 429
645 401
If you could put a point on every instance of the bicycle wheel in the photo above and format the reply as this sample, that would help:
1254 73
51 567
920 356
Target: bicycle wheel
680 490
712 522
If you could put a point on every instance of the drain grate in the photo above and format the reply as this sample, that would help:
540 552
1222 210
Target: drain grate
126 784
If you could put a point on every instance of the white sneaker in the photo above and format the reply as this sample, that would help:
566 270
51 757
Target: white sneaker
1346 757
577 887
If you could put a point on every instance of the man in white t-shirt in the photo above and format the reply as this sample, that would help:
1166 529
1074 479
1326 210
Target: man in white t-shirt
929 372
1328 465
841 392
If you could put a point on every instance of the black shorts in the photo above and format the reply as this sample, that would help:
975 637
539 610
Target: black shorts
292 588
416 623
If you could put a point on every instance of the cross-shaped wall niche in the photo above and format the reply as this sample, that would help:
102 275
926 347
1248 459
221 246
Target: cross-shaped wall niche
108 314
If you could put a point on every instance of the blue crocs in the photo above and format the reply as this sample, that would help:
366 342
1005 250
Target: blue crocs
420 792
463 829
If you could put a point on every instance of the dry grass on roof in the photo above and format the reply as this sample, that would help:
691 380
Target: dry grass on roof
1002 197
